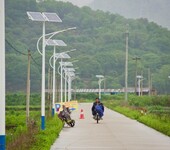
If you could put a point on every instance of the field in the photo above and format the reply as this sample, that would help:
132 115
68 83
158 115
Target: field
19 134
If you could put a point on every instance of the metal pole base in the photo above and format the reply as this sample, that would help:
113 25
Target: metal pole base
43 122
2 142
53 110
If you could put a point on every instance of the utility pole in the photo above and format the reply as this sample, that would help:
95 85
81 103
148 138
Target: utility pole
141 84
136 72
28 88
149 81
105 86
126 64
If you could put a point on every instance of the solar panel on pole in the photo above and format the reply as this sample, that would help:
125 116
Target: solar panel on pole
62 55
99 76
71 74
38 16
66 64
70 69
60 42
35 16
51 17
50 42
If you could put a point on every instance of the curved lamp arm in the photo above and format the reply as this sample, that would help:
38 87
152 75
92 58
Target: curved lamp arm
52 34
50 61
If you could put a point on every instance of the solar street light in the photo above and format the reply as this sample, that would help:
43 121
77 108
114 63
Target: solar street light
43 17
51 42
71 76
62 56
140 78
51 35
66 73
65 56
101 78
66 64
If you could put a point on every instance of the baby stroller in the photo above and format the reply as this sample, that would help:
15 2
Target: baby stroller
64 115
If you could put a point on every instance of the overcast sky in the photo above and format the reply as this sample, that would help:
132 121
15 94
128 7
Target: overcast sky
78 2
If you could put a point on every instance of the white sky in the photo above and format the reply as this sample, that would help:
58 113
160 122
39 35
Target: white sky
78 2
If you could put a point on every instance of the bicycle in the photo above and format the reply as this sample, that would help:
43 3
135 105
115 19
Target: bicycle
97 117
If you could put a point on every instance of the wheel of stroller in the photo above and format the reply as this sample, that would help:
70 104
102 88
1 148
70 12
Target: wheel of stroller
72 123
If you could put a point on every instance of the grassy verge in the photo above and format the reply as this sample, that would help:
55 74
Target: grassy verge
45 138
21 137
157 122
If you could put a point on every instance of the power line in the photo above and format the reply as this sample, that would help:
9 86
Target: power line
14 47
35 61
21 52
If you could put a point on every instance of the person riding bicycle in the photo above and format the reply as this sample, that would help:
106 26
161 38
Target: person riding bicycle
97 108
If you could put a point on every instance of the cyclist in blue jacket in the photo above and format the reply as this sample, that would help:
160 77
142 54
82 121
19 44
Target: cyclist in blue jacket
97 108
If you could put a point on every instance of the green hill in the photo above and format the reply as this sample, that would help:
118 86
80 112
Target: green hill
153 10
99 40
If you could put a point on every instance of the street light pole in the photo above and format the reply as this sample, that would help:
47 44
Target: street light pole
61 82
65 87
2 76
101 78
53 105
43 81
99 82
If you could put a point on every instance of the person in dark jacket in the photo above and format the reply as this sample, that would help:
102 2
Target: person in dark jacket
97 108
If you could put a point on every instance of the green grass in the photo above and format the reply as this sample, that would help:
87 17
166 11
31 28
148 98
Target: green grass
19 136
159 122
45 138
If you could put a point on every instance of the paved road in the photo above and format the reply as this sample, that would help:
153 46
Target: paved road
114 132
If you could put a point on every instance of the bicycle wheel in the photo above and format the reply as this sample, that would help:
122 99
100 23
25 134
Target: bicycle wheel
97 117
72 123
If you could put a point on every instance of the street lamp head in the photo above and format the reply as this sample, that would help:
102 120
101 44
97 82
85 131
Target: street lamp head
73 28
51 42
99 76
136 58
139 77
74 60
66 64
72 50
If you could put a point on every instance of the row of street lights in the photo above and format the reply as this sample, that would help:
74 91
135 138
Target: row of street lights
48 17
61 68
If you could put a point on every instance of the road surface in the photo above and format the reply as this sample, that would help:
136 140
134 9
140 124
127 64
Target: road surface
114 132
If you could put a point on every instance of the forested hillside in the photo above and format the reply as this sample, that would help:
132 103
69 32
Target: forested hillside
153 10
99 40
